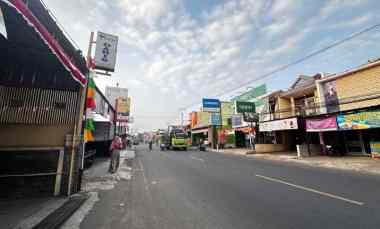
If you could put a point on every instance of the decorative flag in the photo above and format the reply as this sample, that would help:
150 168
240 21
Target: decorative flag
90 105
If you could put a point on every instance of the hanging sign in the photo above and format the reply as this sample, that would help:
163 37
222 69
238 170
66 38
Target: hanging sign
105 52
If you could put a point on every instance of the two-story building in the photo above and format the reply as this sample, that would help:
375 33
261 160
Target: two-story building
348 108
282 120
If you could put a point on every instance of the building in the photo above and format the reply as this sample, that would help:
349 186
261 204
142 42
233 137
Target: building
282 119
348 109
42 79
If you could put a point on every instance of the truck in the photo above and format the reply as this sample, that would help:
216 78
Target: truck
178 138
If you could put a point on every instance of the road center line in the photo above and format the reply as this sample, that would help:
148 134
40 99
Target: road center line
197 158
311 190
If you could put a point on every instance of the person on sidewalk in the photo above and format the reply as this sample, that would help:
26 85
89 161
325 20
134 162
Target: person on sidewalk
222 139
115 148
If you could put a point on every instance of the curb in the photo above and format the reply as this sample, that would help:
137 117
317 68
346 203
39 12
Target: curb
55 219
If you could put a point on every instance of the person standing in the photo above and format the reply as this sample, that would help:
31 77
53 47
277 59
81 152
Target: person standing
115 148
222 139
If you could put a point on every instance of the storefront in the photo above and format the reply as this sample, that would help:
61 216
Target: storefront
360 129
284 134
322 131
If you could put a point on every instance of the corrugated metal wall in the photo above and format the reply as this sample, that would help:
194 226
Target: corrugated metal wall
37 106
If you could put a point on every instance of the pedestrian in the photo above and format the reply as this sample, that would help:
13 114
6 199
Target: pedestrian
222 139
247 140
115 148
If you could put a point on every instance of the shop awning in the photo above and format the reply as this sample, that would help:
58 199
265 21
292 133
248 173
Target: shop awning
321 124
31 20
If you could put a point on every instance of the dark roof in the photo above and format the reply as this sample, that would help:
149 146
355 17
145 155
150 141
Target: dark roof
26 60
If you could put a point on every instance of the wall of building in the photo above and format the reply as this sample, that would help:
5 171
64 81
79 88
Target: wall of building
357 85
33 135
284 107
270 148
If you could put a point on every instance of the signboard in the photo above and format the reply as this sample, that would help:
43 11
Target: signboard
321 124
193 119
245 107
331 96
112 93
215 119
123 109
105 52
359 120
202 119
252 93
283 124
227 112
3 30
251 117
375 149
236 121
211 105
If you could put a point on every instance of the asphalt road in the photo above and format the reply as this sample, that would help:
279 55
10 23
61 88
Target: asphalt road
192 189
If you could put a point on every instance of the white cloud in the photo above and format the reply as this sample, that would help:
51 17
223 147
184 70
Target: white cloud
355 22
170 59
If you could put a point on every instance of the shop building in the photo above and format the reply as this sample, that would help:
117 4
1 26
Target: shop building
353 98
42 79
282 124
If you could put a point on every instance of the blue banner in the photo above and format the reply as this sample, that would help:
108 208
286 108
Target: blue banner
215 119
211 105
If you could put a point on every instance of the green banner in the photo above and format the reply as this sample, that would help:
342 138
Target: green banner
245 107
252 93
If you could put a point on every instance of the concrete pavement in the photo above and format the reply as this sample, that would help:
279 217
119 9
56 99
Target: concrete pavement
192 189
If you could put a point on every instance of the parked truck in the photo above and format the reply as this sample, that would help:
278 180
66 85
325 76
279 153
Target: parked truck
178 138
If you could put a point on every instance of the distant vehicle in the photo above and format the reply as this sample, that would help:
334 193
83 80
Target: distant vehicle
178 139
164 141
135 141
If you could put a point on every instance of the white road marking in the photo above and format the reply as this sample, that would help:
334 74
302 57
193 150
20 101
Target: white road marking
311 190
197 158
144 177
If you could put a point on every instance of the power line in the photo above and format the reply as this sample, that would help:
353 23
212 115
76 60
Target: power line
286 66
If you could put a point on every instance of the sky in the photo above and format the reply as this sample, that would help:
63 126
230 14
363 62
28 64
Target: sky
172 53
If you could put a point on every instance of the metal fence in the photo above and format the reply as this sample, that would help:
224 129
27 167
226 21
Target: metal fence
37 106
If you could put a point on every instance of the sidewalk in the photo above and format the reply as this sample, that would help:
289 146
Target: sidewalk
361 164
26 213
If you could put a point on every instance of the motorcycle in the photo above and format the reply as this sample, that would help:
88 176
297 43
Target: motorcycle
202 146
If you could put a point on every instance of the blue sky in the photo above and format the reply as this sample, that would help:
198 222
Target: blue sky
174 52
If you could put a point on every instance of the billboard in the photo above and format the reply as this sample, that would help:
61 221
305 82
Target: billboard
236 121
359 120
252 93
105 51
331 96
202 119
123 109
245 107
112 93
227 109
210 105
215 119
